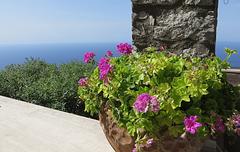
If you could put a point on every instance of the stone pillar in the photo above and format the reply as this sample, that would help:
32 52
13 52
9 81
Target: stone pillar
176 24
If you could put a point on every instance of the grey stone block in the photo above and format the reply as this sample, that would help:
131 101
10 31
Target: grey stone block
200 2
177 24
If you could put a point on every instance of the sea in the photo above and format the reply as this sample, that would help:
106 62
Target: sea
64 53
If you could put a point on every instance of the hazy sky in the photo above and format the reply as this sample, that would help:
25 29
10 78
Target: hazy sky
69 21
229 20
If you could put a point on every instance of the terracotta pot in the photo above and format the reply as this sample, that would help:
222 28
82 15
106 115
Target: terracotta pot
118 137
121 141
232 144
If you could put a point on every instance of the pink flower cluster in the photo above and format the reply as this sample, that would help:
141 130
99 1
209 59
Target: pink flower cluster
88 57
109 53
134 149
219 125
105 68
145 102
191 124
149 143
125 48
83 82
236 120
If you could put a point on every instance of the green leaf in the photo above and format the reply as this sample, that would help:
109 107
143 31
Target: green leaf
230 51
175 131
163 88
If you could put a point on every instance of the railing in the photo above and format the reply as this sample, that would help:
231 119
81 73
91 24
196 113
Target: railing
233 71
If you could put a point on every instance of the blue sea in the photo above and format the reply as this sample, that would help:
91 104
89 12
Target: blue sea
51 53
63 53
235 59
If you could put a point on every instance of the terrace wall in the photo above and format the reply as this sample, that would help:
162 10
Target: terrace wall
176 24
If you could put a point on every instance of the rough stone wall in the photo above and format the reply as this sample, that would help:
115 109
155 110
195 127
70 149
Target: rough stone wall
176 24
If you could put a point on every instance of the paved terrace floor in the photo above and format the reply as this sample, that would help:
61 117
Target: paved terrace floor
26 127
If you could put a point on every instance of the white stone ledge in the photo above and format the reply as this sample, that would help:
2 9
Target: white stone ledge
26 127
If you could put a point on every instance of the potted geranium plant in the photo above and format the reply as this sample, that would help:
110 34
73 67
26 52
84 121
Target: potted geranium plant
156 101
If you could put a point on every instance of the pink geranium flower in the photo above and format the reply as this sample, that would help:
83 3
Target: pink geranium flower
134 149
83 81
88 57
144 102
191 124
149 143
236 120
125 48
105 68
219 125
154 104
109 53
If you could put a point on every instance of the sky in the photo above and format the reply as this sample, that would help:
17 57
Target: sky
228 28
69 21
87 21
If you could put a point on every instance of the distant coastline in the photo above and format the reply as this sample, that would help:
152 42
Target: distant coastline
63 53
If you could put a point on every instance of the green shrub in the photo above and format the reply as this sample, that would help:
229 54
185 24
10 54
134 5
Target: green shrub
15 77
45 84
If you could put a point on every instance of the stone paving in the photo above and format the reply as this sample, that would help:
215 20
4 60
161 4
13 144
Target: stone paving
26 127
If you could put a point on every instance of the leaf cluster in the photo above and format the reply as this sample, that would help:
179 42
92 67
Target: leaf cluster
184 87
